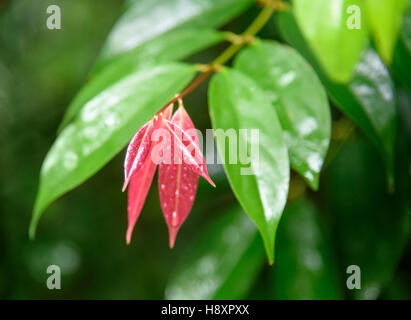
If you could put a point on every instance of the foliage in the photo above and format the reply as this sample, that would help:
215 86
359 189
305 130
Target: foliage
297 73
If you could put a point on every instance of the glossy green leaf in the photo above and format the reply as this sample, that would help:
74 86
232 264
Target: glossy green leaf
305 267
402 53
145 20
324 23
384 18
103 128
177 44
372 226
299 99
222 262
374 90
369 98
237 102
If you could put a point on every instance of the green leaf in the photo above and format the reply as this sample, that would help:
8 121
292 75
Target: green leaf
236 102
222 263
402 54
373 88
369 98
324 23
177 44
299 99
103 128
384 18
145 20
305 267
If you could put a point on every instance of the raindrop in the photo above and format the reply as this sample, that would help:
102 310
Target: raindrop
174 221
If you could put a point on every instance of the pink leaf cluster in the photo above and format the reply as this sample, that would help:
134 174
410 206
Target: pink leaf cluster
177 179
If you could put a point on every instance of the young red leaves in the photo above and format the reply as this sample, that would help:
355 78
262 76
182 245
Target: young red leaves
137 192
137 151
139 167
174 145
177 184
186 145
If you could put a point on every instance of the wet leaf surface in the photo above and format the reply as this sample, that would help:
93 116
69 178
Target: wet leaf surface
175 45
177 182
146 20
260 186
103 128
324 25
368 99
299 99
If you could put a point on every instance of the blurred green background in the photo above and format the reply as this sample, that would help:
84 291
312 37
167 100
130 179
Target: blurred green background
352 220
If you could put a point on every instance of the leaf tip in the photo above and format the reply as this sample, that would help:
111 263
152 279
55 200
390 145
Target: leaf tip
33 227
269 249
207 177
211 182
32 232
128 235
124 186
172 237
314 184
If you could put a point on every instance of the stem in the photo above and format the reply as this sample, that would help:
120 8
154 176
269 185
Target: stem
251 31
190 88
259 22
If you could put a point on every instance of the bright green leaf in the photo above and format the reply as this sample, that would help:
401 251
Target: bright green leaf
325 25
174 45
369 98
384 18
299 99
222 263
145 20
103 128
237 102
305 267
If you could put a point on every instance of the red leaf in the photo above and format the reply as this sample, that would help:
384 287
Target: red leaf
166 114
177 188
137 192
140 179
183 143
177 183
137 151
